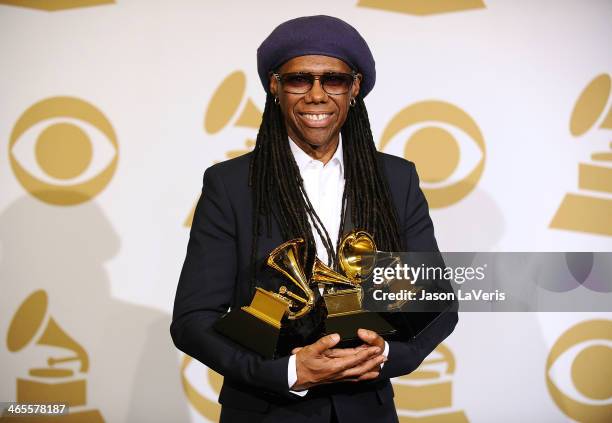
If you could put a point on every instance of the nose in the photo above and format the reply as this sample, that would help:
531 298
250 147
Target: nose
316 94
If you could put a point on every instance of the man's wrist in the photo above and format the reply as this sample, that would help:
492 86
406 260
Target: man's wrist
292 376
385 353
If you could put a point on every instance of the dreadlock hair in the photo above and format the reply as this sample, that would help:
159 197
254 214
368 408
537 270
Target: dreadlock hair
278 189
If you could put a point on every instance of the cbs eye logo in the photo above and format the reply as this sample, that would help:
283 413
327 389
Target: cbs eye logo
63 151
432 132
581 363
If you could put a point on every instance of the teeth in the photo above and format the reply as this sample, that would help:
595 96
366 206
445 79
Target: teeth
316 117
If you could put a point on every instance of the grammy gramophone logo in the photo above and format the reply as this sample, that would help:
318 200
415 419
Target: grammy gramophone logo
422 7
63 150
230 107
55 5
62 379
425 395
590 209
430 131
204 403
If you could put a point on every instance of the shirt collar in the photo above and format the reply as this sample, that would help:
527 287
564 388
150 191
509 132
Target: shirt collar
303 160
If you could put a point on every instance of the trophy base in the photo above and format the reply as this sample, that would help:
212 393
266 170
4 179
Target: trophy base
249 331
346 325
584 214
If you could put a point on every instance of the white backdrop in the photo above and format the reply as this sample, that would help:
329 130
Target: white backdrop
108 259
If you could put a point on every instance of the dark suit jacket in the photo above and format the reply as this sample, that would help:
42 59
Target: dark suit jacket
216 276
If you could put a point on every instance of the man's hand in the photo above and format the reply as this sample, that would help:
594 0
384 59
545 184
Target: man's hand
370 338
317 365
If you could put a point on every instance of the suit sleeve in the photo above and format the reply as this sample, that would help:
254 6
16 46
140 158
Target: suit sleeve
418 235
205 291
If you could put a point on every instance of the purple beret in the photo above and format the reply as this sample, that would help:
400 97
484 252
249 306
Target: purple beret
321 35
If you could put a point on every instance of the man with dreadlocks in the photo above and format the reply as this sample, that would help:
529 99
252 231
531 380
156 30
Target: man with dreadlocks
314 174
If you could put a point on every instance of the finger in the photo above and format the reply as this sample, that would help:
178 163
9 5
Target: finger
366 335
370 337
369 375
296 350
344 363
344 352
363 368
325 343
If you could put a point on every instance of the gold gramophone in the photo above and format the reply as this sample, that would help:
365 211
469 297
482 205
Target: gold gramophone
257 326
32 324
343 294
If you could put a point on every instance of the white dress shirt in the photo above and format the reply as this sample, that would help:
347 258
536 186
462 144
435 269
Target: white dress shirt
324 185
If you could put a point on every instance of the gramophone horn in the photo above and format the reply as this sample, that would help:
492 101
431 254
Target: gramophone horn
285 259
356 255
225 103
29 317
322 273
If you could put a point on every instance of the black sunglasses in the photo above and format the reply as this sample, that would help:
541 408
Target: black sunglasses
333 83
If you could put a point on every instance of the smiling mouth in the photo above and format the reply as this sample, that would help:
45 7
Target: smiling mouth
316 119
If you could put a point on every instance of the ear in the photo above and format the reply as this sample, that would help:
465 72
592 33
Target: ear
356 86
273 85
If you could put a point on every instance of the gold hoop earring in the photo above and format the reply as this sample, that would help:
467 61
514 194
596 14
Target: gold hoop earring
352 102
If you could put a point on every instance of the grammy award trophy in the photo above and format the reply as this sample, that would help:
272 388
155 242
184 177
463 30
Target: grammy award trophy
257 326
343 294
